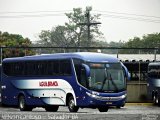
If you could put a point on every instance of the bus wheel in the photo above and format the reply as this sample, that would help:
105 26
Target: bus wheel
103 109
71 105
22 104
52 108
155 99
158 100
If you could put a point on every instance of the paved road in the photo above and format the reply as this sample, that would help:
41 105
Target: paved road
126 113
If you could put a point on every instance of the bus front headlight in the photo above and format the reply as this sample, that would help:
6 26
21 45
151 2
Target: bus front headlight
93 94
123 96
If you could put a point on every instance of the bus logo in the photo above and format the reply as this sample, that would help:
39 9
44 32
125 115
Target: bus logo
48 83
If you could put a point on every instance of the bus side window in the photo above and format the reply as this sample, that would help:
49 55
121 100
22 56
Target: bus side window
80 71
83 77
7 67
77 64
65 67
29 66
77 68
55 67
49 68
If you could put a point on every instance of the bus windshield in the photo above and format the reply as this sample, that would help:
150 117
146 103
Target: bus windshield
154 71
108 77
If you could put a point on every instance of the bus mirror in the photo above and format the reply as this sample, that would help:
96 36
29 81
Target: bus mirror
87 69
129 76
126 72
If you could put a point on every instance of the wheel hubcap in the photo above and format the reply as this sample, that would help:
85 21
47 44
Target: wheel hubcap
156 100
71 104
21 103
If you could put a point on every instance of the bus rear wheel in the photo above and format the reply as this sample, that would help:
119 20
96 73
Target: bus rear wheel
103 109
71 105
22 104
52 108
157 100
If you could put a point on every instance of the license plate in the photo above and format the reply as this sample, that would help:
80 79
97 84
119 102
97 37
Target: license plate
109 103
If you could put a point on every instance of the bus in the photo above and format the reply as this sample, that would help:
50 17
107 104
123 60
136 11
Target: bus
153 82
77 80
0 81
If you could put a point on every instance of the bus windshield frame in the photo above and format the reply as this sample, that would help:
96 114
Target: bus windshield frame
154 71
106 77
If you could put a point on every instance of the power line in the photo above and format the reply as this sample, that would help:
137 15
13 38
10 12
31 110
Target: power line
27 16
64 11
131 18
16 12
119 15
130 14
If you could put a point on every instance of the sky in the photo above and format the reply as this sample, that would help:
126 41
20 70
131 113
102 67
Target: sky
121 19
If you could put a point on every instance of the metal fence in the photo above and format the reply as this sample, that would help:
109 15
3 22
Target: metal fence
135 59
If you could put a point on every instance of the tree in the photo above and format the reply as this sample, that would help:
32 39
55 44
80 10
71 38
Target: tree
14 40
147 41
80 32
71 34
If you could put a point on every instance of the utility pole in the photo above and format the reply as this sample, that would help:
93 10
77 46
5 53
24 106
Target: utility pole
88 24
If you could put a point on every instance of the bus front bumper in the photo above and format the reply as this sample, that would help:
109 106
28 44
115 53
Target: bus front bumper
96 100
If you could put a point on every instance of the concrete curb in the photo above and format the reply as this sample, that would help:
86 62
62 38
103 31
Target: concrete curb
139 104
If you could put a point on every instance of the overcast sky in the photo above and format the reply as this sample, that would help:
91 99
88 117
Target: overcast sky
121 19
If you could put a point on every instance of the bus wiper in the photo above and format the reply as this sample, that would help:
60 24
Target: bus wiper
110 79
105 79
113 83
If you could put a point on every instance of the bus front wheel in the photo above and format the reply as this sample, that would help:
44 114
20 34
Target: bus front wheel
22 104
71 105
103 109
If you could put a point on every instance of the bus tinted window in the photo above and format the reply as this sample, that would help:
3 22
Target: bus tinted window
154 71
65 67
80 72
38 68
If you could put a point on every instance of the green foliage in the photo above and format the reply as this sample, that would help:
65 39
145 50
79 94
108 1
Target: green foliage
14 40
71 34
147 41
80 31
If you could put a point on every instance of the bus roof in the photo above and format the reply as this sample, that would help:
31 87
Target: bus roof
86 56
154 64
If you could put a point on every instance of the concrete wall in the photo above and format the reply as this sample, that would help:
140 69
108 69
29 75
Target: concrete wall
137 92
